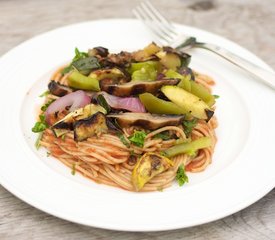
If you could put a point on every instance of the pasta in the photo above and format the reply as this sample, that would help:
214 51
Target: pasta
109 157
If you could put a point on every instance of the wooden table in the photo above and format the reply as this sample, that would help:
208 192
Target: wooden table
249 23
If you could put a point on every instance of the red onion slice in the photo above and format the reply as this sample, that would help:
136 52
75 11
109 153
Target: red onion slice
131 104
77 99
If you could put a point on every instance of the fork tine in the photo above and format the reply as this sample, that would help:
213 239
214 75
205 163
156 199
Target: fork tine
138 12
158 25
165 22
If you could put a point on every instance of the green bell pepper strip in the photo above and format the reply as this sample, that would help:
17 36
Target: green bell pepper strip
79 81
191 86
138 66
201 92
189 148
144 71
159 106
185 80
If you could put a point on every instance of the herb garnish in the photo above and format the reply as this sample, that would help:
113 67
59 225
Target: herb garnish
78 55
46 105
216 96
138 138
189 125
123 139
73 169
41 125
181 177
163 135
44 94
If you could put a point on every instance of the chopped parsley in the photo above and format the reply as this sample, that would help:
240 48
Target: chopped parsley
46 105
73 169
181 177
188 125
48 154
163 135
41 125
123 139
45 93
138 138
216 96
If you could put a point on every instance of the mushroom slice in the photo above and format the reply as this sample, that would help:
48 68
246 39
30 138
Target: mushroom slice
58 89
136 87
146 120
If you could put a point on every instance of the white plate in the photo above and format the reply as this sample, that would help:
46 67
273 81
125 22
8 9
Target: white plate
243 166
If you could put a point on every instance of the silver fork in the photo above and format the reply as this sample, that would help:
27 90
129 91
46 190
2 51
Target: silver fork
167 34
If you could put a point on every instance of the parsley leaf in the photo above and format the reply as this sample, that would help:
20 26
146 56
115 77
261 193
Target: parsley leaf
163 135
216 96
44 93
39 127
138 138
73 169
46 105
181 177
79 55
189 125
123 139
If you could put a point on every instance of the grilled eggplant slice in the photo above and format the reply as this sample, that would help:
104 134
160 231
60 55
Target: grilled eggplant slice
91 126
58 89
66 124
136 87
146 120
173 59
98 51
147 167
110 73
189 102
148 53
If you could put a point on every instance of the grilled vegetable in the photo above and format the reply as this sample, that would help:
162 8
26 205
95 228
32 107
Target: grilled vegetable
91 126
66 123
189 102
201 92
189 148
57 89
173 59
191 86
144 71
147 167
148 53
98 51
185 80
157 105
136 87
146 120
75 100
113 73
131 104
79 81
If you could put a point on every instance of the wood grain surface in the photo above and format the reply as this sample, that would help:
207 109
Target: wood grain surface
249 23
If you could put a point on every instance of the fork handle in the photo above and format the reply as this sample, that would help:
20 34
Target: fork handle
265 76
